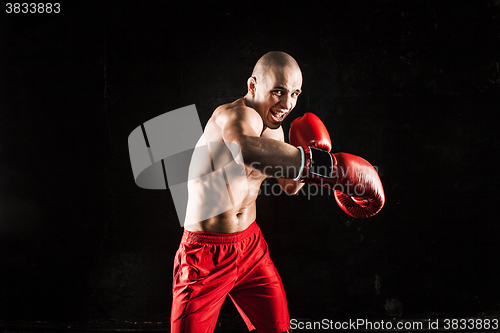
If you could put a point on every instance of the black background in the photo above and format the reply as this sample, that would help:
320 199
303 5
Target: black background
412 86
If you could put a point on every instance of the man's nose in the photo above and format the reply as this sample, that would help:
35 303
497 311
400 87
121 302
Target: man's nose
286 102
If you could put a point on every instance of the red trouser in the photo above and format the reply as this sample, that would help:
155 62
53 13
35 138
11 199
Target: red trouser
209 266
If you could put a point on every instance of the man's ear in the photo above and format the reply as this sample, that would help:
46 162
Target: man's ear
251 83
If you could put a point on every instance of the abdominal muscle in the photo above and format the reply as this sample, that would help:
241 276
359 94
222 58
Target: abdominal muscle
233 220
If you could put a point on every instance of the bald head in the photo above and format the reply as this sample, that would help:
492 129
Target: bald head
274 63
274 87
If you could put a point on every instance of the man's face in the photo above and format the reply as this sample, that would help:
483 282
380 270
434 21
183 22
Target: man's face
276 95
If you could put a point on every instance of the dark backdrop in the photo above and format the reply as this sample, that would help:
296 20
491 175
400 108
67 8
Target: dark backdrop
412 86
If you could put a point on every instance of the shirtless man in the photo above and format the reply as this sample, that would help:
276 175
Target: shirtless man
222 251
248 275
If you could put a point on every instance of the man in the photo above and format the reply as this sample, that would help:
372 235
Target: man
222 251
253 123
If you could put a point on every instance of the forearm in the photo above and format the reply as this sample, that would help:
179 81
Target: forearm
271 157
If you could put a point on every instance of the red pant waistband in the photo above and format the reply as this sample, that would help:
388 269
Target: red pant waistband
219 238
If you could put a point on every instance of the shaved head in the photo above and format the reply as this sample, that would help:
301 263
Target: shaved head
274 62
274 87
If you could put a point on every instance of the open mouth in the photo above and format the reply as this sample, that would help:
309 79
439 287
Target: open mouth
277 116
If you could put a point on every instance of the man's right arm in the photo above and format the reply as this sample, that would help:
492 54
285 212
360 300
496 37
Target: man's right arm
243 126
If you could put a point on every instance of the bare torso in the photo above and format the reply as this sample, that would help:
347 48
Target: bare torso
204 201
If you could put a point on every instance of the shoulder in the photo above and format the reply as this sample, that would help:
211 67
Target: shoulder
238 114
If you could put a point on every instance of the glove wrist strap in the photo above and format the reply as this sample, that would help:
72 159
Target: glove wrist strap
302 163
316 163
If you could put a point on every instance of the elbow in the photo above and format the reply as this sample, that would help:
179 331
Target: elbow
292 187
291 192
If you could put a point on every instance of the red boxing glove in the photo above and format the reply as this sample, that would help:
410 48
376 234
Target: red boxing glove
356 184
309 130
358 189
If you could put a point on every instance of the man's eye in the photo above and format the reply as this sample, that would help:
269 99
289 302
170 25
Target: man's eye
278 92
